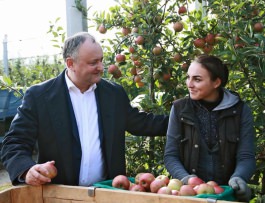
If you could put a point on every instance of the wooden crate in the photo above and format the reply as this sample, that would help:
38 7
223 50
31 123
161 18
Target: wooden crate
76 194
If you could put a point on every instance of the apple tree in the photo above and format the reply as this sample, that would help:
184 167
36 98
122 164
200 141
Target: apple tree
159 38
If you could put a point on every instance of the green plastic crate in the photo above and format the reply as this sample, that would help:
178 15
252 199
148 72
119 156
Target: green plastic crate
227 195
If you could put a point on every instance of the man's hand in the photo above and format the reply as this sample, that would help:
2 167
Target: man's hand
40 174
241 189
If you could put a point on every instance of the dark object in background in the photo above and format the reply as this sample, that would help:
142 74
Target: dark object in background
9 102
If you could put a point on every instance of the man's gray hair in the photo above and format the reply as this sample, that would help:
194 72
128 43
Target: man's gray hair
72 44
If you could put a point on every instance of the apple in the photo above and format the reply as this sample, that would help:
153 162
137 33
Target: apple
120 58
51 169
164 190
156 185
137 63
187 190
207 49
211 182
117 74
177 57
139 40
137 177
205 188
218 189
174 184
182 10
137 187
164 178
102 29
199 43
157 50
258 27
125 31
185 66
133 71
137 78
121 181
239 45
112 68
166 76
131 50
175 192
140 84
210 38
135 30
146 179
193 181
134 57
178 26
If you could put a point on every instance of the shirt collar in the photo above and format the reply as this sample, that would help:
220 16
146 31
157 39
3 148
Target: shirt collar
71 85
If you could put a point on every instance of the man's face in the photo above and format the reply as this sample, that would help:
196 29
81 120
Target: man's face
87 68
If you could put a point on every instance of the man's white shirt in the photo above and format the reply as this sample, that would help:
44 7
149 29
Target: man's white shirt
86 114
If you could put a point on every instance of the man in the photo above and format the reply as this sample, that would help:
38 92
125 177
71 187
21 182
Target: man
79 122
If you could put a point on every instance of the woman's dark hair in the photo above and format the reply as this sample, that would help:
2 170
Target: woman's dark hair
215 67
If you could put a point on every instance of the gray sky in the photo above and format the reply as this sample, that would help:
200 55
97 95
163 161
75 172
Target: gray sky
26 22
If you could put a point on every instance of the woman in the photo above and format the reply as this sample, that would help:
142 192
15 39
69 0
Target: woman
210 133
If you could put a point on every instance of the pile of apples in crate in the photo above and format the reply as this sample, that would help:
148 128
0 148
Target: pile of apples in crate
162 184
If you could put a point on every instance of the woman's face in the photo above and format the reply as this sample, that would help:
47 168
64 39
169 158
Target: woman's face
200 85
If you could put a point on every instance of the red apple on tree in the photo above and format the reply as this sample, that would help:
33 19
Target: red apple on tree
207 49
117 74
120 58
140 84
121 181
185 66
139 40
177 57
157 50
210 39
125 31
138 78
131 50
182 10
178 26
102 29
199 43
258 27
112 68
166 76
137 63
